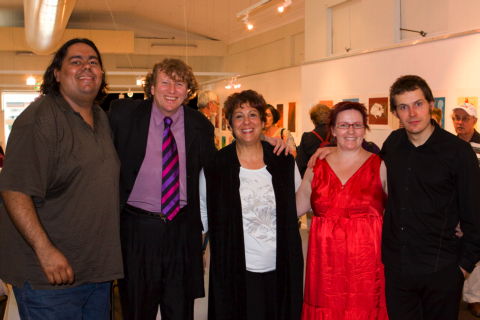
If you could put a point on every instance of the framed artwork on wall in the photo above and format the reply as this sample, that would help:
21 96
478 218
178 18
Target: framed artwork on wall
328 103
291 116
440 104
280 110
378 111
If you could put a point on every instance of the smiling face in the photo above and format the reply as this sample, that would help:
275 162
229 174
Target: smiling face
246 124
414 111
80 75
349 129
169 93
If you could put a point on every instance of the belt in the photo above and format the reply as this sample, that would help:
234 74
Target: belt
157 215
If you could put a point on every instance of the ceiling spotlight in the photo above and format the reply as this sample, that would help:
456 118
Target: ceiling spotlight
31 81
237 85
228 86
140 82
130 93
286 3
247 23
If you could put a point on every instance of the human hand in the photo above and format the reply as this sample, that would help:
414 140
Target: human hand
321 153
278 144
55 266
458 231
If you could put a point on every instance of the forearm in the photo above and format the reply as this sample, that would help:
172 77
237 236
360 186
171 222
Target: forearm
22 212
24 216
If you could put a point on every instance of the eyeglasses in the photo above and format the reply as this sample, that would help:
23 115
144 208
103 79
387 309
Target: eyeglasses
462 119
346 125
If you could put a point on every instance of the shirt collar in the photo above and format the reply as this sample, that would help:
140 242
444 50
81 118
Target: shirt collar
158 116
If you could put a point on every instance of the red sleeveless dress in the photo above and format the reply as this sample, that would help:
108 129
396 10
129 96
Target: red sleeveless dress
344 277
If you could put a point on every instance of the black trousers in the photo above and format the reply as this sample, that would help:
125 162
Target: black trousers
154 266
434 296
261 295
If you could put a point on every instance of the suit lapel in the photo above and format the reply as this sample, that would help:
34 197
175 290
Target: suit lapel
141 125
190 129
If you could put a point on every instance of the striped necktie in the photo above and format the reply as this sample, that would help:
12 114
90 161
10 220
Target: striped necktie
170 173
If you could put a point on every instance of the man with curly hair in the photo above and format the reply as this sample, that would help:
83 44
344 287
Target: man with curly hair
162 145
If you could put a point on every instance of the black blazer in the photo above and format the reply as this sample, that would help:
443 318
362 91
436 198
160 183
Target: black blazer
130 120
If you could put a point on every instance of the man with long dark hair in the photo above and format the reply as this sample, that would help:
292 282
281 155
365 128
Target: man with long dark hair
59 235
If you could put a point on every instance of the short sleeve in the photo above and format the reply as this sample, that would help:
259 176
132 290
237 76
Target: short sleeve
28 158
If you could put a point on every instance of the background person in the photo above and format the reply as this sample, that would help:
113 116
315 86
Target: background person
344 276
272 130
464 119
256 267
318 137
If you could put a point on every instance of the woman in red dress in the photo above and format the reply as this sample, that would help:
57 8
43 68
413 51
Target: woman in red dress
344 277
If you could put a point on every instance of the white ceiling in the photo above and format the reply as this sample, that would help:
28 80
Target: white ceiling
202 19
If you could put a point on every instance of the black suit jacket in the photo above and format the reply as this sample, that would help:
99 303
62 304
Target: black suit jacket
130 120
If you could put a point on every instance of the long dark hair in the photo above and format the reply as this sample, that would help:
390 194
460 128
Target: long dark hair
50 84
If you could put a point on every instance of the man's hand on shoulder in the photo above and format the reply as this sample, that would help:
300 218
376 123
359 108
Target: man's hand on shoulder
321 153
278 144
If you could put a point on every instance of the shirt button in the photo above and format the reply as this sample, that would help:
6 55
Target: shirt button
402 228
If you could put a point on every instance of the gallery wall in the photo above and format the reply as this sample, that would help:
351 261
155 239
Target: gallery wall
450 66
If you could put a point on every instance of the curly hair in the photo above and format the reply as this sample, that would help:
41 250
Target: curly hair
50 84
253 98
175 69
348 105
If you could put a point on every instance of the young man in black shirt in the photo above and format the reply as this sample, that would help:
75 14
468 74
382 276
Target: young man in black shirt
433 181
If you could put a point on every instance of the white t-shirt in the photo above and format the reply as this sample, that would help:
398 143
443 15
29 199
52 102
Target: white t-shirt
259 217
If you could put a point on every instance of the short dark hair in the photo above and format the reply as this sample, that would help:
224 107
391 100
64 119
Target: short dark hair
275 113
320 114
175 69
50 84
253 98
409 83
348 105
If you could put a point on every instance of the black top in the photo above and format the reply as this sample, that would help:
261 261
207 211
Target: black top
308 145
475 137
431 188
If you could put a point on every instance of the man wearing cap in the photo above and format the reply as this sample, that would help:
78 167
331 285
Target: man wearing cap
464 119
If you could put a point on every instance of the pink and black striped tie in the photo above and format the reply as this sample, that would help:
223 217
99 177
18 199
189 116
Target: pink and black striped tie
170 173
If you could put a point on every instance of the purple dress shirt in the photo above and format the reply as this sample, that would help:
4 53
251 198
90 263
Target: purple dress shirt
147 191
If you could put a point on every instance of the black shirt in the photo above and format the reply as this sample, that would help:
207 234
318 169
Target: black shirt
431 188
475 137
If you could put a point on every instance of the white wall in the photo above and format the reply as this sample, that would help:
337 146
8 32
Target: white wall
282 86
370 24
451 67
